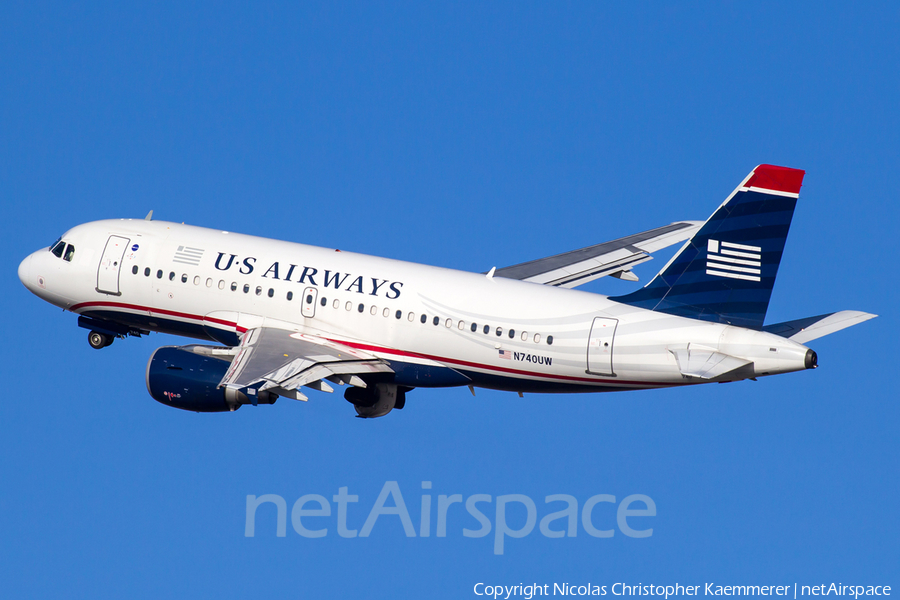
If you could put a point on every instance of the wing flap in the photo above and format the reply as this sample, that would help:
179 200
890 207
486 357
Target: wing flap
279 360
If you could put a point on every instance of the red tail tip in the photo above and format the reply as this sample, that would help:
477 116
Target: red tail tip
779 179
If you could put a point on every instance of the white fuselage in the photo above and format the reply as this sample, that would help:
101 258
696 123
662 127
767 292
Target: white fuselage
212 284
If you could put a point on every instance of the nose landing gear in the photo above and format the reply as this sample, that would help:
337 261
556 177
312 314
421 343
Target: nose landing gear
99 340
102 333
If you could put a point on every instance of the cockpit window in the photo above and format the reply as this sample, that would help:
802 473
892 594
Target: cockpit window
57 249
70 253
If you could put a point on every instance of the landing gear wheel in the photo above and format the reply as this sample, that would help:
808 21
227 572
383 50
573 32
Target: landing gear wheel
99 340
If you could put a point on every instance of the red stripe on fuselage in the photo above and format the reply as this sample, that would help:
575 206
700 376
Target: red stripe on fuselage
380 349
159 311
473 365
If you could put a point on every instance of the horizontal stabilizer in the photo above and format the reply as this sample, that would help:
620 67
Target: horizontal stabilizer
812 328
706 363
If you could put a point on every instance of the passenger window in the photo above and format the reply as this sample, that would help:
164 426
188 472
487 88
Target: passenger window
246 288
537 338
234 286
411 317
499 331
436 320
184 278
487 329
549 340
70 253
361 307
271 293
374 310
209 282
323 301
423 318
57 250
171 275
512 333
196 280
146 271
474 327
524 336
134 270
159 274
221 284
337 303
349 305
449 323
462 325
398 314
290 296
259 290
387 313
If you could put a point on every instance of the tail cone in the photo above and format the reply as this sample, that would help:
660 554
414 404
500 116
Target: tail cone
812 360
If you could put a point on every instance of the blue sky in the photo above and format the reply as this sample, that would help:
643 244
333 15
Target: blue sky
466 136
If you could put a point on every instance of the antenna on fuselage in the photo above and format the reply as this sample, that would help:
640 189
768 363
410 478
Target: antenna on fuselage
149 216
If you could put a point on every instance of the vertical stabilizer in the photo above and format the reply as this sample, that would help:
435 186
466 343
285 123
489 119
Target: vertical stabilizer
725 273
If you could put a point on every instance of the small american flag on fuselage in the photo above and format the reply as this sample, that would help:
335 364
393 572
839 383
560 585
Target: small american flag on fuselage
188 256
507 354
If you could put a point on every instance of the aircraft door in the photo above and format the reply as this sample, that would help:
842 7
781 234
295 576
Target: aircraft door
308 308
111 264
600 346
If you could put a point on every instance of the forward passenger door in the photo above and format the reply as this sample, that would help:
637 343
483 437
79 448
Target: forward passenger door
111 265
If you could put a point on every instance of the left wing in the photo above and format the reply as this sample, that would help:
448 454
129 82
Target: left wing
281 361
615 258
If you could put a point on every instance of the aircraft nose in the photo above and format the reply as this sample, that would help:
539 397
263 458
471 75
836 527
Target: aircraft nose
27 274
25 270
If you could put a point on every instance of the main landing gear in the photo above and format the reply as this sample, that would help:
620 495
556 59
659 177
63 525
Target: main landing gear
99 340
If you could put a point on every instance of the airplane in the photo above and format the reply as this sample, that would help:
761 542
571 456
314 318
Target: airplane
287 316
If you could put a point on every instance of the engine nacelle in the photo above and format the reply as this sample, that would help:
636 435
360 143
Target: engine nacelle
184 379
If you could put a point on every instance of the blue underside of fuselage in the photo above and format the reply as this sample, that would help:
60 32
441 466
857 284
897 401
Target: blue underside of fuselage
405 373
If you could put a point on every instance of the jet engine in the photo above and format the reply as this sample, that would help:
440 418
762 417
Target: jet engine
180 378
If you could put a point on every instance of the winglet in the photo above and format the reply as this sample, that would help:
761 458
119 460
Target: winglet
149 216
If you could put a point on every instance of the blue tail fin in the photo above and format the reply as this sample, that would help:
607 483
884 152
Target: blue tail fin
726 272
